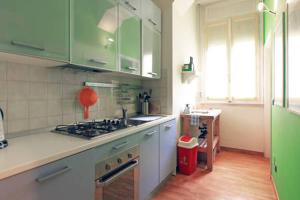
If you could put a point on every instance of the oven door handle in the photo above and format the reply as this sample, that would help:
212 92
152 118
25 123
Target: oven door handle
116 175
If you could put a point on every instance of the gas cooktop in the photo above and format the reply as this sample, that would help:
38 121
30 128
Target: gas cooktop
89 130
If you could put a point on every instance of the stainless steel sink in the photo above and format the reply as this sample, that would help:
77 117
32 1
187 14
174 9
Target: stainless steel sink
142 119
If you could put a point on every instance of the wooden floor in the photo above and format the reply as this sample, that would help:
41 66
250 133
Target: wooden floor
236 176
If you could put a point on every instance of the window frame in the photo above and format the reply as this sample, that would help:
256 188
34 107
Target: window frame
259 69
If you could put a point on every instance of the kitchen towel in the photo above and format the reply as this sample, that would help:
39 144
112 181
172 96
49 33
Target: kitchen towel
195 120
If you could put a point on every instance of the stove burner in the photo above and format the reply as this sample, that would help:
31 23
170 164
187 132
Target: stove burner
90 129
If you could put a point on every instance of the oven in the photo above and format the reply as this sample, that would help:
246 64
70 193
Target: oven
117 177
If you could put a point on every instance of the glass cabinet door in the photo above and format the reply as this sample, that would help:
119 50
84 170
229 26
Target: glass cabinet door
94 28
151 52
129 42
35 27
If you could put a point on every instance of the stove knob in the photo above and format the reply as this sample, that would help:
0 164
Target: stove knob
119 160
130 155
107 167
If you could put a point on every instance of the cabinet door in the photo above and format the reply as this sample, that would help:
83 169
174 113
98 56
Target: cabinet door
167 143
149 156
35 27
129 41
70 178
151 14
94 28
151 52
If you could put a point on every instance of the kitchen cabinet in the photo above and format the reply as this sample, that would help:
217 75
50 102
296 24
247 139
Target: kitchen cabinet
129 41
38 28
151 14
107 150
94 33
69 178
151 56
149 161
167 149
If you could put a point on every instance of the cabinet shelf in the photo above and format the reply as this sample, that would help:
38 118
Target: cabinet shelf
203 147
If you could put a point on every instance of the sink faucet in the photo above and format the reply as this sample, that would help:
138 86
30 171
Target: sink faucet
125 116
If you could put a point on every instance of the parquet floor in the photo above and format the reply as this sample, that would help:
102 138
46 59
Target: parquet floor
236 176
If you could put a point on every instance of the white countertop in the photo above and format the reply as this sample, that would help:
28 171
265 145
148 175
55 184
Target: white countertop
28 152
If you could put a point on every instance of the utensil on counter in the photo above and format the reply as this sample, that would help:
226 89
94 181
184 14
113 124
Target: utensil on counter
87 98
3 141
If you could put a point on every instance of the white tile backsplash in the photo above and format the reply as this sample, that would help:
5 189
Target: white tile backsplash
38 74
17 90
17 109
69 107
18 125
54 120
54 75
37 108
38 97
54 107
3 71
3 90
54 90
17 72
38 90
36 123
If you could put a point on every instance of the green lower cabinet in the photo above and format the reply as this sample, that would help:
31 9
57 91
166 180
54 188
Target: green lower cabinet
38 28
149 162
151 52
129 42
71 178
94 28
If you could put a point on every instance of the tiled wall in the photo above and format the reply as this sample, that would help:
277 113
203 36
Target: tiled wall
39 97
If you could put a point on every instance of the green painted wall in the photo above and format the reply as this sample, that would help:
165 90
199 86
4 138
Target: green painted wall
285 138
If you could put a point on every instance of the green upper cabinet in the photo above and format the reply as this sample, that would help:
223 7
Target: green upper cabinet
37 28
151 42
94 33
151 52
151 14
129 41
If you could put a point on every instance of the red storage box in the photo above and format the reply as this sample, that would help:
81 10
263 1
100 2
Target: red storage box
187 154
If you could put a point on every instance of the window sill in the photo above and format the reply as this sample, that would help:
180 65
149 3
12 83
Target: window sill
235 103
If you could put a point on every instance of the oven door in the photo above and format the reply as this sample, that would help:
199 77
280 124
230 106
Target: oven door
119 184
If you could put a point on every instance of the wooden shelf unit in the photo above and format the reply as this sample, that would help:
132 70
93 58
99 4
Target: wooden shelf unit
212 141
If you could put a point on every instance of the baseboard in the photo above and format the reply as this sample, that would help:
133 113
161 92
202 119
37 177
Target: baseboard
242 151
274 187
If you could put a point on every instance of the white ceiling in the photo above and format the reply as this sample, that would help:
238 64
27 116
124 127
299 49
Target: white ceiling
203 2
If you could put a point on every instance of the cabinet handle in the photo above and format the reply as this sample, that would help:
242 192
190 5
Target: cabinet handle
130 5
29 46
120 146
53 175
131 68
152 22
150 133
168 126
152 73
98 61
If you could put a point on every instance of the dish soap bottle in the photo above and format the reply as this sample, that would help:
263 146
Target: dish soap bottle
187 109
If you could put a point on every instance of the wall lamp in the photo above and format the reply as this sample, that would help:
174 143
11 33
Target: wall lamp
262 7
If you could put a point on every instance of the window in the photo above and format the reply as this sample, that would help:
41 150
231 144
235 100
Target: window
231 61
